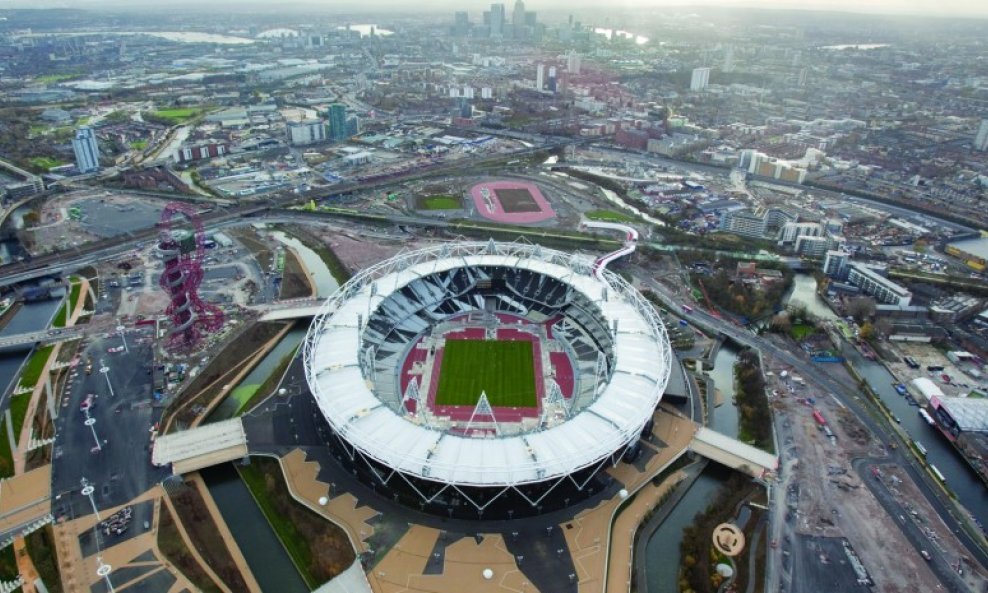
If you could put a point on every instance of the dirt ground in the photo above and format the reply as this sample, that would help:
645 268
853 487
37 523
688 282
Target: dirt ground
360 250
928 355
829 497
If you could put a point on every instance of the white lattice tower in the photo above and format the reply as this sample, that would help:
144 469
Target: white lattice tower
483 408
600 373
411 393
554 397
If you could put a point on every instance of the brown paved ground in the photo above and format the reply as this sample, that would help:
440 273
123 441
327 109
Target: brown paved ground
587 535
190 545
23 490
79 572
300 475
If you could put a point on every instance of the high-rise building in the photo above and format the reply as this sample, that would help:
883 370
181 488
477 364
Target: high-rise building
86 150
497 20
700 79
835 264
981 138
336 114
539 77
872 283
573 62
461 23
518 15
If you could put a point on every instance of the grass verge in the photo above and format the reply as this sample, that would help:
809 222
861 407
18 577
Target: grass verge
173 547
319 549
609 216
202 531
34 366
41 548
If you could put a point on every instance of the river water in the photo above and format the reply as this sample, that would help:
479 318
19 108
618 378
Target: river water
961 479
31 317
804 292
323 279
662 551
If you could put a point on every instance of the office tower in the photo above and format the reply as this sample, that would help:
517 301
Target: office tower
336 114
981 139
518 15
802 77
700 79
573 62
461 23
497 20
539 77
86 150
728 59
552 78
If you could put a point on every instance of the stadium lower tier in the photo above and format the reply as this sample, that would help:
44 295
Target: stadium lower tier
474 503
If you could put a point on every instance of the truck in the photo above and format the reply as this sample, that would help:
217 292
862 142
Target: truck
687 309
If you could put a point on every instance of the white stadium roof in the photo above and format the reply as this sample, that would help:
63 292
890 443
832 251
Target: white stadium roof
615 419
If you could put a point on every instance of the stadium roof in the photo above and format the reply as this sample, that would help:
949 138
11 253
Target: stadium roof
641 371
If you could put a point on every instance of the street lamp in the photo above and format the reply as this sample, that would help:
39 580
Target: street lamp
91 423
106 374
123 336
102 569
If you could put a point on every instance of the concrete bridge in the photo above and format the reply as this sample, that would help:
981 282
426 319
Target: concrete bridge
293 309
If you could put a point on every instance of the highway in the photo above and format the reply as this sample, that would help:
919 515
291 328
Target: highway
848 396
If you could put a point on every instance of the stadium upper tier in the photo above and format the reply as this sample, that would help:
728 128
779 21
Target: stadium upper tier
373 316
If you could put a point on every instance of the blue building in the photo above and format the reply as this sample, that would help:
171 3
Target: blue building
86 150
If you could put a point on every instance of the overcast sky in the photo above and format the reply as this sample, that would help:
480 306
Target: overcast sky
947 8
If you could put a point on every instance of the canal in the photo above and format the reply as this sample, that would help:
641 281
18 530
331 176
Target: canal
247 388
804 293
325 283
662 553
961 479
267 559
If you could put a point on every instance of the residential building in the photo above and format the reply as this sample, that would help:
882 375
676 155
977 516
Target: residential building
540 77
981 138
573 62
700 79
86 150
744 223
835 264
200 151
811 246
873 283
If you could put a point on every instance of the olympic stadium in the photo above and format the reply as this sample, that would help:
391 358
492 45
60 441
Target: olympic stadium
485 379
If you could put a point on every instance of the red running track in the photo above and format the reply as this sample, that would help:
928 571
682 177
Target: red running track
498 214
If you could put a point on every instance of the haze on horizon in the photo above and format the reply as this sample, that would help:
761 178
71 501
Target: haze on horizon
943 8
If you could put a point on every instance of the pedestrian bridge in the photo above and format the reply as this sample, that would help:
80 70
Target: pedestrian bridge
201 447
733 453
26 340
293 309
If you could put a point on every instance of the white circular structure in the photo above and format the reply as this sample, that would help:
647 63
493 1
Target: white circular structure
488 574
356 345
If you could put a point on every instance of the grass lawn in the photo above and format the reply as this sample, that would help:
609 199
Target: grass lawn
800 331
45 162
178 115
439 202
6 455
32 370
62 317
502 369
139 144
609 216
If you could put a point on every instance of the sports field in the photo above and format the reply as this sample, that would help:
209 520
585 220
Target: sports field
505 370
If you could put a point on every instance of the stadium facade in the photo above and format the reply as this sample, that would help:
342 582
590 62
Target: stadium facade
373 358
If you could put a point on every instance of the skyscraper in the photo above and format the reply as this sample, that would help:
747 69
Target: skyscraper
336 114
518 15
86 150
461 23
700 79
539 77
981 138
497 20
573 62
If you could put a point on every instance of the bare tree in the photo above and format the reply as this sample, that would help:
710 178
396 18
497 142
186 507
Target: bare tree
861 308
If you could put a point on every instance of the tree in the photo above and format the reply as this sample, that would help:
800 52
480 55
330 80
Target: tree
781 323
867 331
861 308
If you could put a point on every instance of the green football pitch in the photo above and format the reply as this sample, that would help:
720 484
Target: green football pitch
505 370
